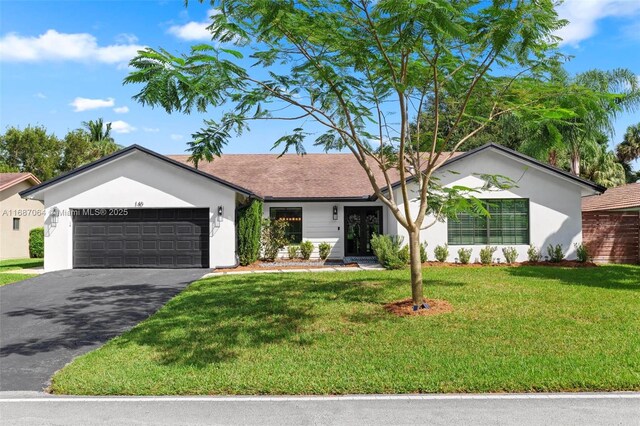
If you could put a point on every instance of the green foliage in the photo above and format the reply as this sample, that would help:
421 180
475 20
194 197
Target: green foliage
249 232
273 238
582 253
441 253
306 248
464 255
486 254
36 243
510 254
32 150
404 254
387 249
292 251
533 254
556 253
324 249
423 252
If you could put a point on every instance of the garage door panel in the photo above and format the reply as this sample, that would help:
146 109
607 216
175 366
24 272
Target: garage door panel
153 238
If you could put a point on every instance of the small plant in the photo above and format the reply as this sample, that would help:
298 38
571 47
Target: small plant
441 253
533 253
582 253
423 252
306 248
486 254
387 250
36 243
293 251
556 254
323 250
510 254
249 231
273 238
404 254
464 254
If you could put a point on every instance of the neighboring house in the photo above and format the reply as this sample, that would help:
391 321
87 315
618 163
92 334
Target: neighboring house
611 224
17 216
137 208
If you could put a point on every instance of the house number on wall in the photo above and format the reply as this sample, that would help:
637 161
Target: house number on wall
139 204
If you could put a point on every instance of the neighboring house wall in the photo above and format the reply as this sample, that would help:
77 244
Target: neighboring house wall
318 225
138 177
554 204
15 244
612 236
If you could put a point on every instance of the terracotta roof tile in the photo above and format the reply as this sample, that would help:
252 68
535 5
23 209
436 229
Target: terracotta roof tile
9 179
294 176
621 197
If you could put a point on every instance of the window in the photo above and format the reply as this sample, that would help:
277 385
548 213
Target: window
508 224
16 223
293 216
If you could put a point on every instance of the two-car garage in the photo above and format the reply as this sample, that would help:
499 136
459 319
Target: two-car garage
140 238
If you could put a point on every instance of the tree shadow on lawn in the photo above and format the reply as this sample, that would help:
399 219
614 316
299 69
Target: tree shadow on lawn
610 277
89 317
217 320
11 264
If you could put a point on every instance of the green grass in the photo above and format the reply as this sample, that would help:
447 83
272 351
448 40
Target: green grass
13 278
513 329
13 264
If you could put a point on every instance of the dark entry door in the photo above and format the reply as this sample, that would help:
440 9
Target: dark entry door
360 223
141 238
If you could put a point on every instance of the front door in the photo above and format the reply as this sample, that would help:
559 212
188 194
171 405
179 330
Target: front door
360 223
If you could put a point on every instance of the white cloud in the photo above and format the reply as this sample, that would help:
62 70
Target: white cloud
85 104
176 137
151 129
583 16
55 46
40 95
193 30
121 110
126 38
120 126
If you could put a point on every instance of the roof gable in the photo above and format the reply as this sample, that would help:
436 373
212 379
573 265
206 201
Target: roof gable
8 180
119 154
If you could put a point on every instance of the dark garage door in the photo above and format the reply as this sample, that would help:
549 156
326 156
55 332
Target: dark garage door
141 238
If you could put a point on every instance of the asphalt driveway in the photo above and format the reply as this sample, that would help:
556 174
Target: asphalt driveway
48 320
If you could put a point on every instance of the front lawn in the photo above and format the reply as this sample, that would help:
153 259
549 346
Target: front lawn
13 264
513 329
13 278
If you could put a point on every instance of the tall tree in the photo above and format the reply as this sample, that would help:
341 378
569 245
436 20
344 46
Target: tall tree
628 151
100 136
30 150
78 149
363 70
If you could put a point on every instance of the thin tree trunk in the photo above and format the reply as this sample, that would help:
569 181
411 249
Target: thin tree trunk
575 164
416 268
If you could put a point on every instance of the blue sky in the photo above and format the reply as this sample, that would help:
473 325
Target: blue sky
63 62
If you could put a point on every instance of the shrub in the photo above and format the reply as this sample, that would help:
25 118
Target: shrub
464 255
582 253
249 230
306 248
36 243
486 254
441 253
533 254
556 254
423 252
510 254
273 237
293 251
324 249
387 250
405 254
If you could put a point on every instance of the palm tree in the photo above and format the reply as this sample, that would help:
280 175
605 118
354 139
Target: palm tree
100 137
629 150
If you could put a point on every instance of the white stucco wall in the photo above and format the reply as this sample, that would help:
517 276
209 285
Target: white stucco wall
138 177
318 225
554 204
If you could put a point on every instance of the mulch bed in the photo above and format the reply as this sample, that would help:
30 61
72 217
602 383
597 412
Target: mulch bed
404 308
564 263
291 264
